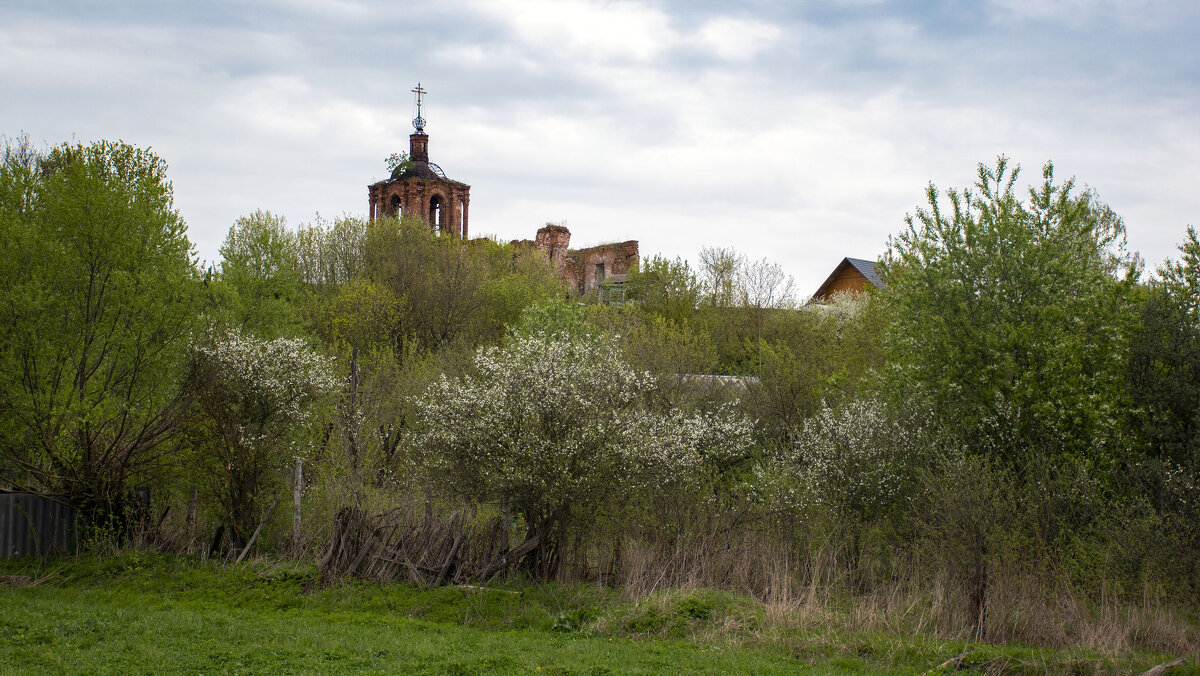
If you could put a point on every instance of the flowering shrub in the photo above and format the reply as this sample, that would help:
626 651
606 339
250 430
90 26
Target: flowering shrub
255 397
269 381
855 460
558 423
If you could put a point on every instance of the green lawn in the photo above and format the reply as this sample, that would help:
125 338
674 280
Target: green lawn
147 614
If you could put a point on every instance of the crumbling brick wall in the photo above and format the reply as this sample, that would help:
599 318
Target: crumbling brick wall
586 268
553 240
582 270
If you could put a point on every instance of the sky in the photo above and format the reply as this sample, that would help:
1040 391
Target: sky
800 132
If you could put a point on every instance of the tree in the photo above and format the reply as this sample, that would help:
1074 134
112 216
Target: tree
449 290
99 299
856 461
665 288
765 286
254 400
260 265
1164 368
721 269
331 254
791 383
1014 316
557 422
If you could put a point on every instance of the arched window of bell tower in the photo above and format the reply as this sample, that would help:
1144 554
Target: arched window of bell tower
437 214
396 208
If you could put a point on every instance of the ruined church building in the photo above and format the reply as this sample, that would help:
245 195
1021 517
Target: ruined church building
419 188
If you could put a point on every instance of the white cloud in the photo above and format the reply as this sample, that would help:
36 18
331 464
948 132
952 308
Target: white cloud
803 139
737 39
585 30
1081 14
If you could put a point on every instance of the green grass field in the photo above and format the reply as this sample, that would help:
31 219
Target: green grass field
139 613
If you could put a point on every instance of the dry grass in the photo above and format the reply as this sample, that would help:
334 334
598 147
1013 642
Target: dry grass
802 590
812 587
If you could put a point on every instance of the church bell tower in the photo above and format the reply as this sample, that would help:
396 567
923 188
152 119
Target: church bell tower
419 188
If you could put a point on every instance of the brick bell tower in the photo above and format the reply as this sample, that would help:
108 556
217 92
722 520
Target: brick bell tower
419 188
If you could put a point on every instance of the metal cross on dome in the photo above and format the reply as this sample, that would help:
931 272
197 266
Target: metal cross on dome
418 121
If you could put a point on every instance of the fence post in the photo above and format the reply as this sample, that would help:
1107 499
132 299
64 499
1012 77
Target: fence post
191 518
297 489
505 520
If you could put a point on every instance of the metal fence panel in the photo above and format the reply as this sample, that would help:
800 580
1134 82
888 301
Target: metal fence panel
34 526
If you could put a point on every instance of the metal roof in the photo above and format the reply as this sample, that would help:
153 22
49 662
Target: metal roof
867 268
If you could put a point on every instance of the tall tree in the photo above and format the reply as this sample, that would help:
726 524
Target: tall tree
260 268
1014 315
669 289
99 299
1165 365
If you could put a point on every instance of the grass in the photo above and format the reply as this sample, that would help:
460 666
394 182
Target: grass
150 613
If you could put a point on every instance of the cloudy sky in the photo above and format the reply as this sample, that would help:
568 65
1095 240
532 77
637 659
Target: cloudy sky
798 131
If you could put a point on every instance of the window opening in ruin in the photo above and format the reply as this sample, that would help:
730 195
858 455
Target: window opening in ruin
396 209
599 272
435 214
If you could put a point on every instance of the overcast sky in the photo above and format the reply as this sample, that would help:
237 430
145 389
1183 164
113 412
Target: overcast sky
798 131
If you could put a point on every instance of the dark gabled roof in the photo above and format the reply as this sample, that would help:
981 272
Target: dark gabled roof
867 268
862 266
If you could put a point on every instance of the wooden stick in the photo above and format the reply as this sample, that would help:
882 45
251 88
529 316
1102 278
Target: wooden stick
449 559
297 490
511 556
246 549
362 554
471 587
1162 668
955 661
191 518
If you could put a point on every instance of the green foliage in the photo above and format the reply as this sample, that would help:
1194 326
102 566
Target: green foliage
365 314
1164 368
331 254
668 289
260 266
695 607
253 402
100 297
447 290
721 270
1164 380
674 353
815 356
558 424
517 280
1181 278
1014 316
397 161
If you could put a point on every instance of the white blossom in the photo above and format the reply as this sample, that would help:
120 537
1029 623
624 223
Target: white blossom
558 422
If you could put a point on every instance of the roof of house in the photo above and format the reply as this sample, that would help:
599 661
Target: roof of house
862 266
867 268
